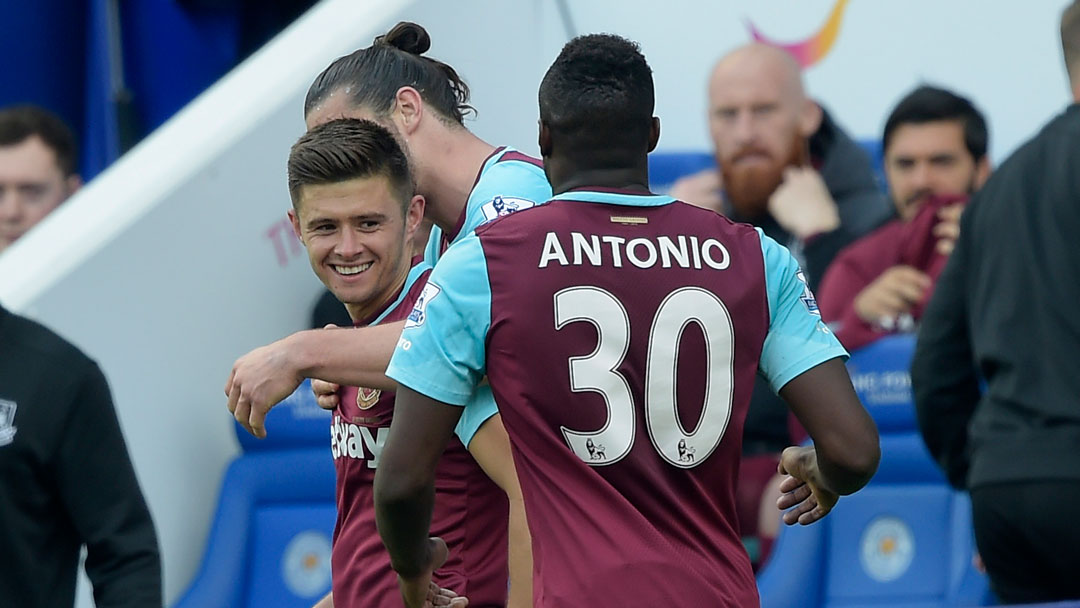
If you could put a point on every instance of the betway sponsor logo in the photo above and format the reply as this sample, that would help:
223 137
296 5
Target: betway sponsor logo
616 251
353 441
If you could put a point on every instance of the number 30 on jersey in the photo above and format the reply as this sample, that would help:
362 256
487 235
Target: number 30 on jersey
598 372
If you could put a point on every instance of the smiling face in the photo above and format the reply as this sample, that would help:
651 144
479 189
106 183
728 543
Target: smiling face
358 239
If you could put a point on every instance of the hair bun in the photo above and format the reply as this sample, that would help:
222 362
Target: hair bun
406 36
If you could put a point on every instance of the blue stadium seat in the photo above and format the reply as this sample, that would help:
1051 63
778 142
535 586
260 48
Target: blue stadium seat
270 540
881 377
903 540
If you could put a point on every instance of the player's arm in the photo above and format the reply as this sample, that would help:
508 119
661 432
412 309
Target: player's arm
438 364
490 446
803 362
405 486
845 438
943 374
326 602
266 375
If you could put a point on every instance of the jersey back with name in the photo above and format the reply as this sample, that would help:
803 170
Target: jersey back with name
624 342
470 510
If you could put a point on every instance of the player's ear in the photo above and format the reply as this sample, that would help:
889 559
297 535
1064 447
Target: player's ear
654 133
982 172
810 117
414 215
408 110
72 184
295 221
544 140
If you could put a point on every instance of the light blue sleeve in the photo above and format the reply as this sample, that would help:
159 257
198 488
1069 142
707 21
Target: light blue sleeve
477 411
798 339
441 352
504 188
433 250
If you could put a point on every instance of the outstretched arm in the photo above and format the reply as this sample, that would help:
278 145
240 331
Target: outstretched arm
266 375
845 453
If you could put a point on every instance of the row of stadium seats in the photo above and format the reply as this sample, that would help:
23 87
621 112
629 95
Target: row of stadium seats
905 539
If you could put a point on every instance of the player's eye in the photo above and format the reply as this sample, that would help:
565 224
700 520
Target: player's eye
33 192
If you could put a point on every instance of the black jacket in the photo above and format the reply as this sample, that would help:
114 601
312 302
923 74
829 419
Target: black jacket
1006 308
66 480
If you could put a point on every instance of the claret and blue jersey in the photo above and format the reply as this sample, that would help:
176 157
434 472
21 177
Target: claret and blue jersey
507 182
621 333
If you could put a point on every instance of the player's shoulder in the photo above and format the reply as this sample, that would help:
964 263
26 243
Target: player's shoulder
35 340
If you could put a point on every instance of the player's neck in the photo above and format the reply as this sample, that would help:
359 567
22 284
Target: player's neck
565 176
363 311
455 160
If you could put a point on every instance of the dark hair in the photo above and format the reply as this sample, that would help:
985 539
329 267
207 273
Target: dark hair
373 75
931 104
599 96
19 123
1070 37
345 149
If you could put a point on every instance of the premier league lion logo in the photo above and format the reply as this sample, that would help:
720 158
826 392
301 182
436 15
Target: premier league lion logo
501 206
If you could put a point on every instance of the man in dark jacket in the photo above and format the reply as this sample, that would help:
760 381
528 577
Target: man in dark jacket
1005 309
66 480
784 166
935 144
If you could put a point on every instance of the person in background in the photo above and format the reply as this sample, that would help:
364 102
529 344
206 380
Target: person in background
1003 317
785 166
66 480
37 168
935 144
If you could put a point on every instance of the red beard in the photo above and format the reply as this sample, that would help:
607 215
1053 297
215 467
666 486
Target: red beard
748 188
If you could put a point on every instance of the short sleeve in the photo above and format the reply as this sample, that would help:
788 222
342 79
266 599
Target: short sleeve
797 339
441 353
477 411
507 187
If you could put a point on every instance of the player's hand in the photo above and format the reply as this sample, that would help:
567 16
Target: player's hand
805 498
421 592
701 189
259 380
892 294
947 228
326 393
802 204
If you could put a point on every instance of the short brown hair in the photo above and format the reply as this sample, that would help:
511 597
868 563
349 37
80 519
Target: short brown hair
20 123
345 149
1070 38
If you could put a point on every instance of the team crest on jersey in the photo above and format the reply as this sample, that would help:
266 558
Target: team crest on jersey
367 397
807 296
419 311
504 205
7 421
